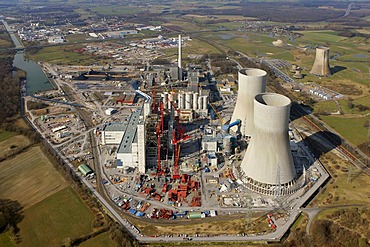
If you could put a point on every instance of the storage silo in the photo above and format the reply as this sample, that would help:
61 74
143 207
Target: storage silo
200 102
188 100
251 82
268 166
170 99
195 101
165 100
205 103
180 101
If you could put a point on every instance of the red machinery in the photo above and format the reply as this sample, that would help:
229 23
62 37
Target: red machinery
159 131
176 151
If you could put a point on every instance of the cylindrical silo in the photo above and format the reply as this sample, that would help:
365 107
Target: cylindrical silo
321 65
188 100
205 103
183 100
200 102
180 101
268 162
165 99
195 101
251 82
170 99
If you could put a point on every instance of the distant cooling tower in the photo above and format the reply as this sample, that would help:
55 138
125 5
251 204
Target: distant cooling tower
321 65
268 166
251 82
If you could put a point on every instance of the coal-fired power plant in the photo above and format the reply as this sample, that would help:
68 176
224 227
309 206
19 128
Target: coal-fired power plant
251 82
321 65
267 166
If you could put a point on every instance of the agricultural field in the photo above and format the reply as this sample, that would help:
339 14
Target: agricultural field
12 144
29 178
4 135
58 217
102 239
62 55
351 128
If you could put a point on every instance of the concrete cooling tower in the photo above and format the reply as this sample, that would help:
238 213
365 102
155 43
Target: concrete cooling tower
251 82
268 167
321 65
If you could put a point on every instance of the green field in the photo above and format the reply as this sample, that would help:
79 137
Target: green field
29 177
5 240
63 55
60 216
6 135
98 241
351 129
116 10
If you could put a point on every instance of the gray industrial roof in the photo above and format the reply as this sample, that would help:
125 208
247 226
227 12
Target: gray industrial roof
128 138
115 127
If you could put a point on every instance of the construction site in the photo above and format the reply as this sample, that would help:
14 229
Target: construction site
171 144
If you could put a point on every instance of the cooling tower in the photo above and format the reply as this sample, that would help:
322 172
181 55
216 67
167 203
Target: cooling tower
321 65
268 166
251 82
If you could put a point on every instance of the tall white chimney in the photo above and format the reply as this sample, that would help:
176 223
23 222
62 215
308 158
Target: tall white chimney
179 59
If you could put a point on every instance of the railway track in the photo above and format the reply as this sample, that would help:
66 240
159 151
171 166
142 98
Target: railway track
337 143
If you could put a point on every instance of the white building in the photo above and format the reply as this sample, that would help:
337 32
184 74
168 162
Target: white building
112 133
127 154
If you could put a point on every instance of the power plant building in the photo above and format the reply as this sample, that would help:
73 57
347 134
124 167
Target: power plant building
251 82
112 133
127 154
268 167
321 64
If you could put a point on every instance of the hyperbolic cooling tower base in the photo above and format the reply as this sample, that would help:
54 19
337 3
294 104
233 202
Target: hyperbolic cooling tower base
269 189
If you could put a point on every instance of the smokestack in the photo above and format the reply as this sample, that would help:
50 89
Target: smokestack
251 82
321 65
179 59
267 166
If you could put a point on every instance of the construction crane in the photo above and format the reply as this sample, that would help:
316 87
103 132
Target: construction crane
222 120
176 147
159 132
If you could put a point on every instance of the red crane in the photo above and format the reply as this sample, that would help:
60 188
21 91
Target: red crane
176 151
159 129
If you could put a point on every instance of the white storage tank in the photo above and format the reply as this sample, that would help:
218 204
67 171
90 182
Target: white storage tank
165 100
195 101
205 103
170 99
200 102
188 100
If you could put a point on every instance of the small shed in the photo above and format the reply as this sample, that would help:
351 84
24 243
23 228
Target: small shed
85 169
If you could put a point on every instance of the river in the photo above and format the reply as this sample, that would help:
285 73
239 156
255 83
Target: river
36 79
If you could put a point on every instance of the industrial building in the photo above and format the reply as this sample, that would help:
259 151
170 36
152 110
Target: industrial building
321 65
127 154
85 169
112 133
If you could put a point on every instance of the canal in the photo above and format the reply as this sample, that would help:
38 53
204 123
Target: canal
36 79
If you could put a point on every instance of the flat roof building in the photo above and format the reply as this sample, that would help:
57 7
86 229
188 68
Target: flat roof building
112 133
127 154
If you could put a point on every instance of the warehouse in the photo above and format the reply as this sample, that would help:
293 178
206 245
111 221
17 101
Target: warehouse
112 133
127 154
85 169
